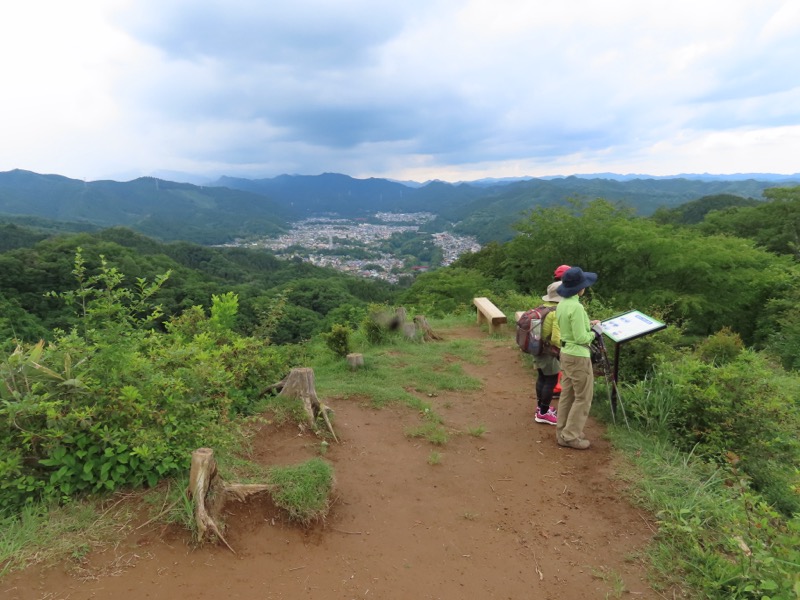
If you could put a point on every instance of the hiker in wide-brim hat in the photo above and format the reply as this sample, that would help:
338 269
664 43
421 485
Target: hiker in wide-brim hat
552 295
547 363
573 280
577 376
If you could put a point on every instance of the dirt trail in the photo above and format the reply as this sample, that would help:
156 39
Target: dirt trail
509 514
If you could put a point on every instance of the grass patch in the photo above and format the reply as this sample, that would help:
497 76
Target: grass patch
170 503
42 534
401 372
431 432
435 458
477 431
612 579
282 409
303 490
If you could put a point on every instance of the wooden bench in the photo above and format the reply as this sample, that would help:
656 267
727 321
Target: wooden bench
489 313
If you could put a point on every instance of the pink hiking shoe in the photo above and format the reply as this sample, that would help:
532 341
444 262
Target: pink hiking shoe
549 417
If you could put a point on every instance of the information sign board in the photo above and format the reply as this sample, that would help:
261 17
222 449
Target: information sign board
629 326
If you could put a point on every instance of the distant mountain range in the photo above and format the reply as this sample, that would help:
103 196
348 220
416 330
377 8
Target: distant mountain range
773 177
161 209
234 207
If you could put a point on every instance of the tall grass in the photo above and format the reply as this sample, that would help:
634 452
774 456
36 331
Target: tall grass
44 534
717 537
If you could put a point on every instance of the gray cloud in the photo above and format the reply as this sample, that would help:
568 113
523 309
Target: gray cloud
424 88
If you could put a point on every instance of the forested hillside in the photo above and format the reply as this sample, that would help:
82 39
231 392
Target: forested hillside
232 207
162 209
308 295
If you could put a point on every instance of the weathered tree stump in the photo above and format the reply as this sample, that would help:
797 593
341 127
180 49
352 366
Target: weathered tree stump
299 383
409 330
355 361
424 328
209 493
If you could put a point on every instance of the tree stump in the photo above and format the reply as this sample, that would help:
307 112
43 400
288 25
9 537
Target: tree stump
409 330
427 334
299 383
209 492
356 361
401 316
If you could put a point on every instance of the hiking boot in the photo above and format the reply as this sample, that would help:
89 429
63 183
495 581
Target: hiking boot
549 417
579 444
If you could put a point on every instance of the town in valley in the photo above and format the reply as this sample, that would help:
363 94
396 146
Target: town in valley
385 246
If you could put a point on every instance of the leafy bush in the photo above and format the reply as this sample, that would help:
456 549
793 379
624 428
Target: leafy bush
721 348
377 326
114 402
446 291
743 412
781 325
338 340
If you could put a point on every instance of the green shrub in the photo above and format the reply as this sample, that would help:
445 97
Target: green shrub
721 348
651 404
742 412
376 326
338 340
116 403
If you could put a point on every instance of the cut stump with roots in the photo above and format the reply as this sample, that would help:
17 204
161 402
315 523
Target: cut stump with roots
426 332
209 492
299 383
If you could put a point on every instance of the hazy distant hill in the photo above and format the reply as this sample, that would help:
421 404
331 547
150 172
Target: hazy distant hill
162 209
232 207
487 208
330 192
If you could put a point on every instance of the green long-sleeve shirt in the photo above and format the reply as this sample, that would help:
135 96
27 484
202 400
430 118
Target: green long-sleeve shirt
573 323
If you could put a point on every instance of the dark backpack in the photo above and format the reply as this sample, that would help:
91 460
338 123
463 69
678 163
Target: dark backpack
529 331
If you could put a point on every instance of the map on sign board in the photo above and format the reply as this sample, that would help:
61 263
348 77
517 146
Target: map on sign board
630 325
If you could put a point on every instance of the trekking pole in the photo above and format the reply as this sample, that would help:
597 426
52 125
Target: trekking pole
611 382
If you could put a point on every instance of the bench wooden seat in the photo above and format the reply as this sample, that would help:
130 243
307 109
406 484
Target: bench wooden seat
490 314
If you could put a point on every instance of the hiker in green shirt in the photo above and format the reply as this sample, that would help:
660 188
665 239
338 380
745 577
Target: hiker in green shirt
577 377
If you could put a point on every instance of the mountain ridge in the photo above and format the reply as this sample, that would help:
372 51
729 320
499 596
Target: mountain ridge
232 207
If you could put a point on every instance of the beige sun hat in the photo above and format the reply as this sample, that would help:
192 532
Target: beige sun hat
552 294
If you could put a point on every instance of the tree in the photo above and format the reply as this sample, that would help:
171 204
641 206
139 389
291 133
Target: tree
773 225
447 290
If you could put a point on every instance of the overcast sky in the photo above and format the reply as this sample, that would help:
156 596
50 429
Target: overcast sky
406 89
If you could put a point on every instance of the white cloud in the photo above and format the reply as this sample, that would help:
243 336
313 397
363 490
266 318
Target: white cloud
419 89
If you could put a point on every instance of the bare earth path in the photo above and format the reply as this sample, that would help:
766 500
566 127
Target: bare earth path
507 515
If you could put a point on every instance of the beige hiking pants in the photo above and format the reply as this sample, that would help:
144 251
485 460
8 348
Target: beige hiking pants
577 389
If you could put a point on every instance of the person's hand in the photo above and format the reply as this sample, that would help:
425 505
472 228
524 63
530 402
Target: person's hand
595 322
